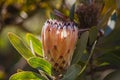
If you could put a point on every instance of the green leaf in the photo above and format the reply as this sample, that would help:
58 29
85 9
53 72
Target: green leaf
93 35
26 75
72 10
86 63
19 46
37 45
113 76
41 64
82 76
52 16
72 72
111 57
80 47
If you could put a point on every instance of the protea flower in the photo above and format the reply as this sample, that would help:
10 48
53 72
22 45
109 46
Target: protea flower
58 40
89 13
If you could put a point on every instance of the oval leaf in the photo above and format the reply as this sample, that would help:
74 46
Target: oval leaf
26 75
72 11
80 47
40 63
37 45
72 72
19 46
93 35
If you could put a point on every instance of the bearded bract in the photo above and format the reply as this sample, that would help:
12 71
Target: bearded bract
58 40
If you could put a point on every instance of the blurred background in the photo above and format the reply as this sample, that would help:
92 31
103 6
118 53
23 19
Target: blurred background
28 16
21 17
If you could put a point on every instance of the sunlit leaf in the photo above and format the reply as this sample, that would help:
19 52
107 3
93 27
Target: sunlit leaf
40 63
19 46
80 47
72 72
26 75
37 45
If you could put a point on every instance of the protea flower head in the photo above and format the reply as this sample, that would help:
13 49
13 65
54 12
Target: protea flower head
88 13
58 40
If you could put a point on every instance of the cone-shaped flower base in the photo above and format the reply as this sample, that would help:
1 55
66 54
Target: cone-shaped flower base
58 40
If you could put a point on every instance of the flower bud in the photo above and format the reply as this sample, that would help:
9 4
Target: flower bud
58 41
88 14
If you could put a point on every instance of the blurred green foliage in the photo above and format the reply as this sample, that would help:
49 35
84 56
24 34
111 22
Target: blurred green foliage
21 17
